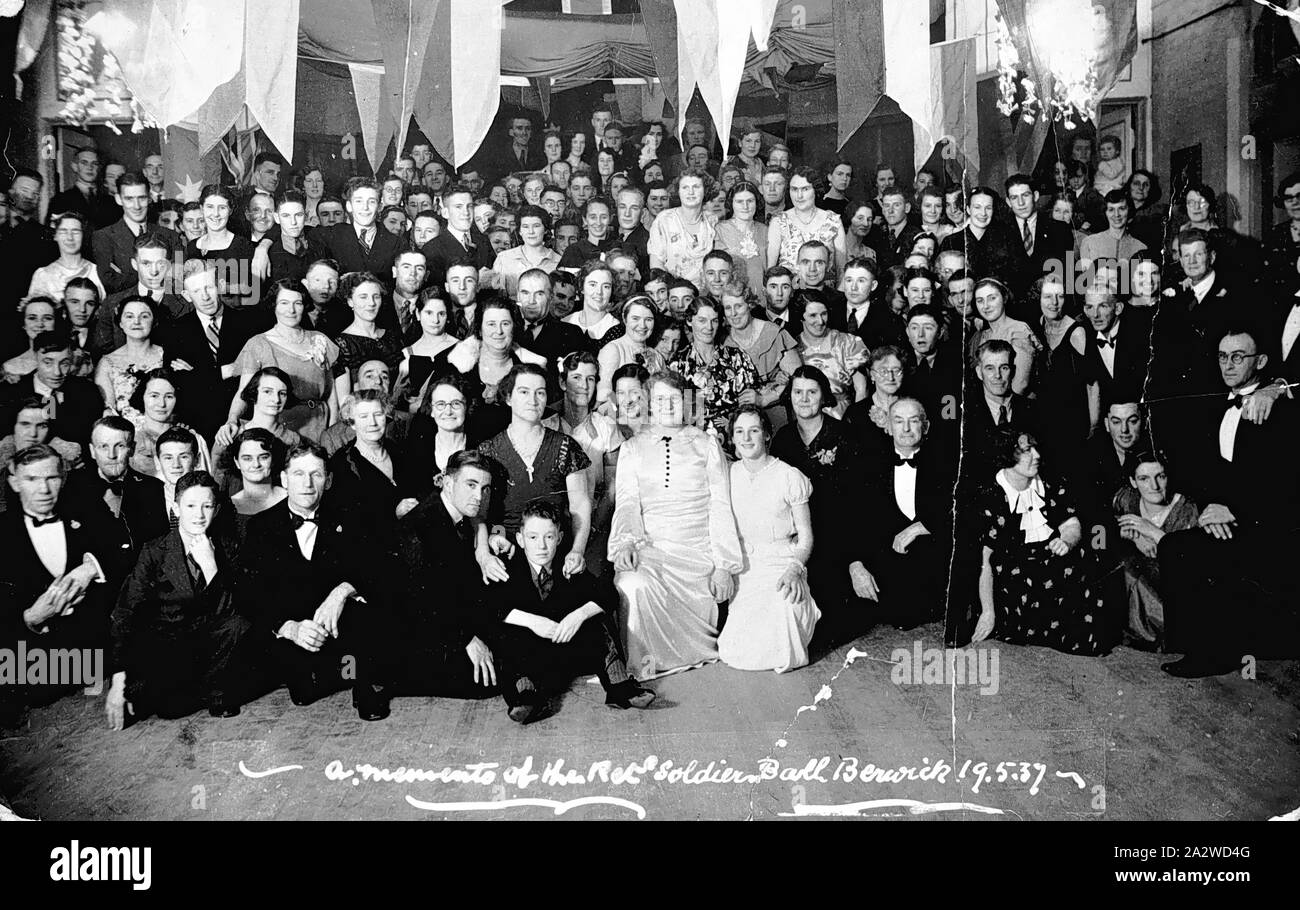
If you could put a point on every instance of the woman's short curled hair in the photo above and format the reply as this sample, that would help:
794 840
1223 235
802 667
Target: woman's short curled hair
292 285
496 302
249 394
165 373
807 371
1147 456
575 359
880 352
137 298
263 437
451 379
349 283
1009 448
1008 301
630 371
350 402
737 289
506 388
744 186
698 304
764 421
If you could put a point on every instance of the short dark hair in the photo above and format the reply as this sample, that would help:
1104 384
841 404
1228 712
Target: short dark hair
136 298
197 479
495 302
1008 450
164 373
131 178
630 371
262 158
764 421
263 437
303 448
249 394
468 458
83 284
178 434
807 371
291 196
117 424
541 508
1017 180
506 387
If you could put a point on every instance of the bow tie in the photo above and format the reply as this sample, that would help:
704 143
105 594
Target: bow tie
1235 401
1104 342
298 521
900 461
116 486
37 522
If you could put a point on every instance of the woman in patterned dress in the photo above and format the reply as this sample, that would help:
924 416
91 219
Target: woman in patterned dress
363 340
120 371
723 375
681 237
1038 585
636 345
743 234
803 222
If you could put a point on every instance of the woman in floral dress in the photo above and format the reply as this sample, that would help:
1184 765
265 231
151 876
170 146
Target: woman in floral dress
724 376
744 235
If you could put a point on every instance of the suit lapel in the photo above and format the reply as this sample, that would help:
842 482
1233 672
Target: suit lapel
175 567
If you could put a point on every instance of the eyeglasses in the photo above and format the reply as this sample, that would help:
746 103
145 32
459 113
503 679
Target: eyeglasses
1235 358
889 373
440 407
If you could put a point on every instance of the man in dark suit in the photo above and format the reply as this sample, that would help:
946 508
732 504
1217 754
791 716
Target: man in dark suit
1230 587
935 374
455 242
177 640
861 312
1283 335
72 403
990 406
541 332
518 154
28 245
910 491
361 245
291 249
87 195
1044 246
115 246
551 627
1103 467
309 585
1118 350
116 496
208 340
152 268
893 241
435 630
56 580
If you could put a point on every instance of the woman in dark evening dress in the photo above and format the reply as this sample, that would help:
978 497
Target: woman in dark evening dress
1038 585
232 253
825 451
1063 383
537 463
434 316
364 340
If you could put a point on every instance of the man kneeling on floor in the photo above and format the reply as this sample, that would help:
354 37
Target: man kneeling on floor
554 627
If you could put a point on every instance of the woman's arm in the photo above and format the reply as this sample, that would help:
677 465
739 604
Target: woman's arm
803 545
579 510
237 403
986 583
105 385
859 387
608 360
840 250
1024 365
773 247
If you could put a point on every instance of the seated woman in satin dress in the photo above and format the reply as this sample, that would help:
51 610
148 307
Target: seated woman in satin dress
673 541
771 618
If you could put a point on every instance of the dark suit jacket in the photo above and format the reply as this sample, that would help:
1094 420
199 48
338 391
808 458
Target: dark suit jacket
445 249
553 341
997 254
1132 359
891 250
936 473
82 405
160 591
1187 335
114 248
341 243
439 590
205 397
1260 485
937 386
1053 240
277 585
23 577
505 162
882 325
107 336
101 208
980 435
143 515
567 594
1288 369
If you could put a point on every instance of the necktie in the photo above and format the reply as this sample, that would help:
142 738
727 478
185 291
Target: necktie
214 336
545 582
298 521
1003 420
468 242
38 522
853 321
923 368
1104 342
1028 236
365 238
52 404
196 574
899 461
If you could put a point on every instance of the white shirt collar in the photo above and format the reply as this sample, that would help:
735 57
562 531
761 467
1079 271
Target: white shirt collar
41 388
1202 287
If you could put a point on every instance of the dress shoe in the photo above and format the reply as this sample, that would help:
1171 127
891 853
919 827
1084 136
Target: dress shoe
522 714
628 694
1199 667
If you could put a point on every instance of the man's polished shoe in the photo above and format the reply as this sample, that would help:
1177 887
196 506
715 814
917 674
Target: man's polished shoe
373 710
522 714
628 694
1199 667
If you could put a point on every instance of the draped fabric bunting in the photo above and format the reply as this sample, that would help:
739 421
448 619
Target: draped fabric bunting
661 34
1035 26
184 58
376 125
712 40
859 62
951 120
908 75
543 86
442 65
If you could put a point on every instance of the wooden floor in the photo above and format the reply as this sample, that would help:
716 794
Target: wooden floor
1078 738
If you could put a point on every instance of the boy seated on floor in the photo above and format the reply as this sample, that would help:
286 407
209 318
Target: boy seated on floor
554 628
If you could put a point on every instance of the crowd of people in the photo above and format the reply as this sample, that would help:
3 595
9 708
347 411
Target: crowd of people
612 404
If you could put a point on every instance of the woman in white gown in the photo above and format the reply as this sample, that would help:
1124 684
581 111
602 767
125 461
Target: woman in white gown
673 539
772 615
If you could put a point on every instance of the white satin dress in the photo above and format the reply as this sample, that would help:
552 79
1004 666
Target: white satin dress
672 503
